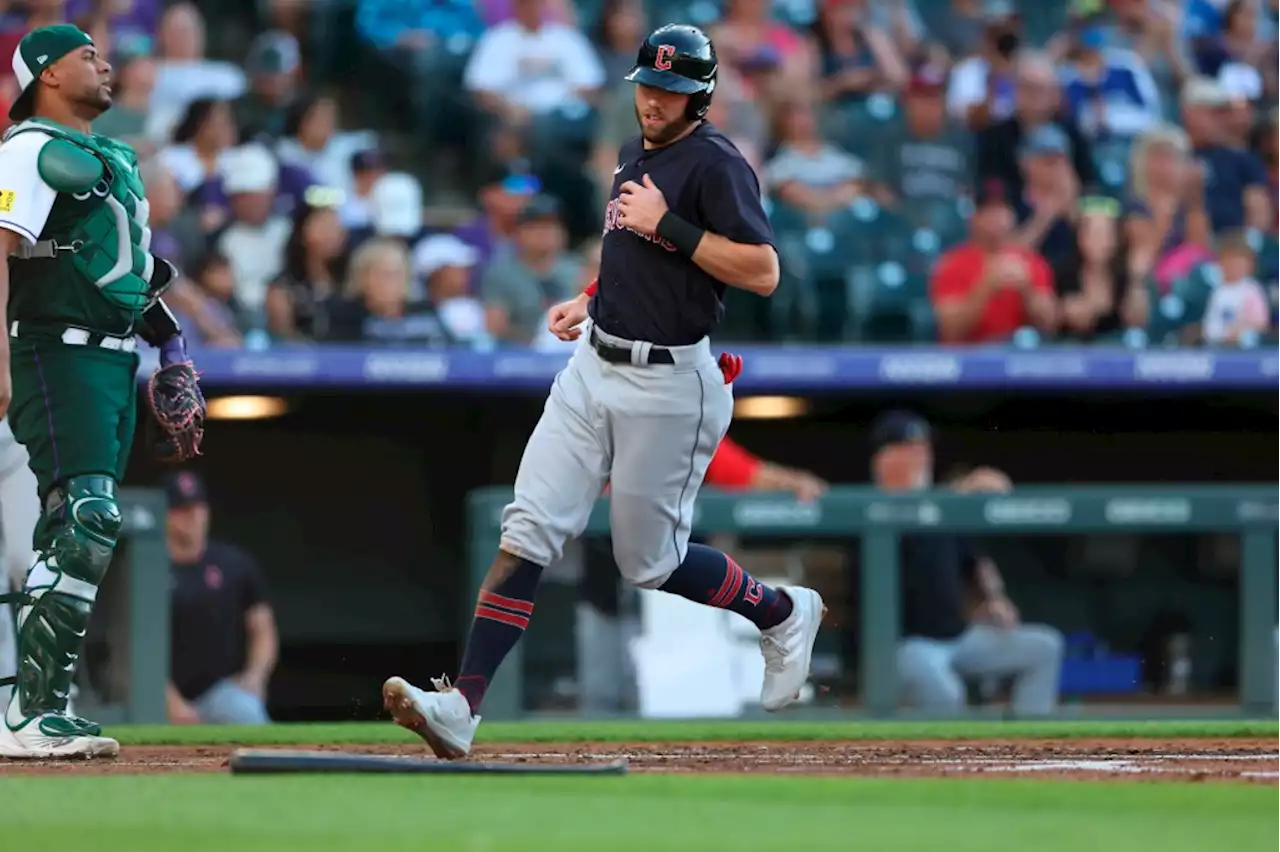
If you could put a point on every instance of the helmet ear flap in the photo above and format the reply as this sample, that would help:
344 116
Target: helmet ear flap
699 103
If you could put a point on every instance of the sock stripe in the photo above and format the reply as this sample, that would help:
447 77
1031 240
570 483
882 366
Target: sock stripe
731 586
517 606
492 614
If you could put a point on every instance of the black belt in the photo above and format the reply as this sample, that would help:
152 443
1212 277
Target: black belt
622 354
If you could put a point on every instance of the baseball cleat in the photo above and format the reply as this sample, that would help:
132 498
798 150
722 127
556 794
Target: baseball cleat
788 648
442 718
52 735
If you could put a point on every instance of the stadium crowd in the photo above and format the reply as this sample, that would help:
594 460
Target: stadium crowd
433 172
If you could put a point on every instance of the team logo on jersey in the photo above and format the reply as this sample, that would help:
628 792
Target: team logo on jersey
612 216
7 197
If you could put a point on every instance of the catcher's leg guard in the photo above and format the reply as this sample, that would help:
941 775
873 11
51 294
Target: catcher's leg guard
54 612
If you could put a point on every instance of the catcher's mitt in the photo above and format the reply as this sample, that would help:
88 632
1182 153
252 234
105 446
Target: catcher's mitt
177 409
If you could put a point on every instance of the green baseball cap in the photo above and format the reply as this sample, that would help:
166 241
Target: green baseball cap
39 49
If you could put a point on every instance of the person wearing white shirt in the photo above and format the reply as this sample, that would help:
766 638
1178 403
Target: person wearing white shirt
254 241
206 132
1238 307
184 74
529 66
442 263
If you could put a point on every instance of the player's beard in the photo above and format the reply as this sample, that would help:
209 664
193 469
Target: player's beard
96 100
664 135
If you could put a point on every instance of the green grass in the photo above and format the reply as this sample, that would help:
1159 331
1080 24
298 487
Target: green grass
632 814
640 813
356 733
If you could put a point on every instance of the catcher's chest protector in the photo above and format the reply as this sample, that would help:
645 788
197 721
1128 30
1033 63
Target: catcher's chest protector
99 228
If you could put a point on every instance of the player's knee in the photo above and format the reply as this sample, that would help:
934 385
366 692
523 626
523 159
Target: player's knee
1045 643
92 508
531 535
640 565
90 526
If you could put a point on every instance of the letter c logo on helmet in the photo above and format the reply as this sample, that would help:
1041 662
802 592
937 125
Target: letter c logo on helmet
680 59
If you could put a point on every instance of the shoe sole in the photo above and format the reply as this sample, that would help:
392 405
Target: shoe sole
397 699
808 654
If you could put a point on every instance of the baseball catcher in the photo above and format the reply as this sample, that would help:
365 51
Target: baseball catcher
80 287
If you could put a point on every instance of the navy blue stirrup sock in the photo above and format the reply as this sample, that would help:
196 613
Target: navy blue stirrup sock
502 614
709 577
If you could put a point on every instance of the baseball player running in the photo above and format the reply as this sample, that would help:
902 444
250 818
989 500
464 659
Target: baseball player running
79 288
642 403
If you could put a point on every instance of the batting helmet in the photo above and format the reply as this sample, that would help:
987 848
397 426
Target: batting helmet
679 58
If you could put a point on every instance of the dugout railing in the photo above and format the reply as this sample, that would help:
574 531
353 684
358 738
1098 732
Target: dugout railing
879 520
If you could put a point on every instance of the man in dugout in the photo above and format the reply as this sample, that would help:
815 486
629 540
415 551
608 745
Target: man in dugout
943 642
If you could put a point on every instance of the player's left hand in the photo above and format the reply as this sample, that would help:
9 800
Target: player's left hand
641 206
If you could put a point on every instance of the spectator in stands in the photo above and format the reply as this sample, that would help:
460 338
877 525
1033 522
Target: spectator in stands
366 168
201 140
1238 311
256 237
299 300
309 128
737 116
1236 41
855 56
208 310
981 90
746 29
519 287
1165 223
378 308
808 174
619 31
531 67
1148 28
943 642
1046 209
131 104
183 74
273 65
503 193
985 290
1107 92
1037 102
224 643
1099 295
927 157
395 210
1243 86
175 229
545 340
443 263
1235 183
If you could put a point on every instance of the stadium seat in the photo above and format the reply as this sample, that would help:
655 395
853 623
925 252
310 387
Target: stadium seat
1111 159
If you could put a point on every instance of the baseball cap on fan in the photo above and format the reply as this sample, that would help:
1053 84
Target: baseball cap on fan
38 50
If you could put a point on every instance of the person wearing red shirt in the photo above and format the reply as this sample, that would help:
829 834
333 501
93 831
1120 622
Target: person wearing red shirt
733 468
985 290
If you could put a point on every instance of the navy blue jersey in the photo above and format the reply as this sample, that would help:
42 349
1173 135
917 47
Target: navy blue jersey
648 291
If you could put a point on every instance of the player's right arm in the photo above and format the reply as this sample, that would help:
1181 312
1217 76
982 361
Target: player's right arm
25 203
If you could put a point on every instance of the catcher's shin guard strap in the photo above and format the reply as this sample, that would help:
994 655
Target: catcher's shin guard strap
61 589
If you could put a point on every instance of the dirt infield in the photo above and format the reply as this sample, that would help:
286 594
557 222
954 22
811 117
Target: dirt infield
1180 760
